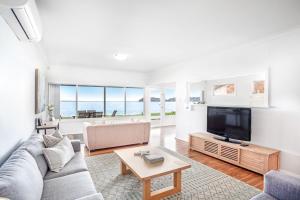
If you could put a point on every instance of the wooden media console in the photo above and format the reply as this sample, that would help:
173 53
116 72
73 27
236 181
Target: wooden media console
253 157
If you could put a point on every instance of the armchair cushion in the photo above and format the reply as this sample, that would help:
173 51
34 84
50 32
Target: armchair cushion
282 186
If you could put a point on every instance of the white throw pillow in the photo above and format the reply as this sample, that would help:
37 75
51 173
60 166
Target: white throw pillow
59 155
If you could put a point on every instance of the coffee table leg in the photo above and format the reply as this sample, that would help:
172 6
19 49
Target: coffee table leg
164 192
147 189
124 169
177 181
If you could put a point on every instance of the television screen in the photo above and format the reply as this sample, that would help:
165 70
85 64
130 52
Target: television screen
234 123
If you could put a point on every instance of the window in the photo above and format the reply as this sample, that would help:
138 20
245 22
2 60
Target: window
170 101
102 101
67 101
91 98
115 100
134 101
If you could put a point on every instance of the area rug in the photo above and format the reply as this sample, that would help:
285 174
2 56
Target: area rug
198 182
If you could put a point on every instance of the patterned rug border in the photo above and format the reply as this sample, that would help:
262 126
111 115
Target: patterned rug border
196 162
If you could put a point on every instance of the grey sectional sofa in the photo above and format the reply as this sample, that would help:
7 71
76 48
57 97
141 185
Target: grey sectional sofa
25 175
280 186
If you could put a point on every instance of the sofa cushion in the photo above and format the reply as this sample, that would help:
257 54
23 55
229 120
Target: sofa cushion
35 145
97 196
59 155
20 177
263 196
77 164
69 187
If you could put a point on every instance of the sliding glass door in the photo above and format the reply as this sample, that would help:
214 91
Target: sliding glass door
170 101
163 106
155 103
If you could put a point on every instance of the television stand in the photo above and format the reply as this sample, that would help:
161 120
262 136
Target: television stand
228 140
252 157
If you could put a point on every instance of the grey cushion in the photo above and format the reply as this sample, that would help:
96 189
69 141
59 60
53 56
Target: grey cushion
57 134
50 140
263 196
282 186
69 187
92 197
35 145
20 177
77 164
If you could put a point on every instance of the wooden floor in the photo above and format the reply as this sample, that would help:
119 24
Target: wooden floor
166 137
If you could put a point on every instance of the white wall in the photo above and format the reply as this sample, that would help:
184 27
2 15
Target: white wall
18 61
276 127
95 76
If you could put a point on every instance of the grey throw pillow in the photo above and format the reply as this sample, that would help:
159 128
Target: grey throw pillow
53 139
57 134
59 155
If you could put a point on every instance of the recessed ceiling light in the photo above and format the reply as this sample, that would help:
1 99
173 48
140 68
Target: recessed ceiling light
120 56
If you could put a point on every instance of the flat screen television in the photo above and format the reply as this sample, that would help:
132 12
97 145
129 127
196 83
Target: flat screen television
229 122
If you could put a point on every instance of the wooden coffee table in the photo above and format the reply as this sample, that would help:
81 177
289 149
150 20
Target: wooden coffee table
145 172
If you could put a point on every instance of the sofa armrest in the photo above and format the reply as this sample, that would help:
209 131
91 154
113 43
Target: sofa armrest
97 196
282 186
76 145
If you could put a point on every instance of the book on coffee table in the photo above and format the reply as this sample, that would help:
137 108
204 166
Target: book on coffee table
153 158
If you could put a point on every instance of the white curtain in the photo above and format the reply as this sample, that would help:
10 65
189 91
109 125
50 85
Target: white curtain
54 98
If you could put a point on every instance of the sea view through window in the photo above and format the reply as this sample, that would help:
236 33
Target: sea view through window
127 101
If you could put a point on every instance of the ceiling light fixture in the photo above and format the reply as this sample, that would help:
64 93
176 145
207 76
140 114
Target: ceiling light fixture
120 56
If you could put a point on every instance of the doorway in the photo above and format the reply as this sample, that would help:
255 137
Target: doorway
163 105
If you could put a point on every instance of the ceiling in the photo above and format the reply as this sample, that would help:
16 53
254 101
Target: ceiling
155 33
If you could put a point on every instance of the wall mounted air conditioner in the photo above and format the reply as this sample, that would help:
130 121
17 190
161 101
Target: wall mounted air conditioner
23 18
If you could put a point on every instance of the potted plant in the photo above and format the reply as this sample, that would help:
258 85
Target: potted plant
50 109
